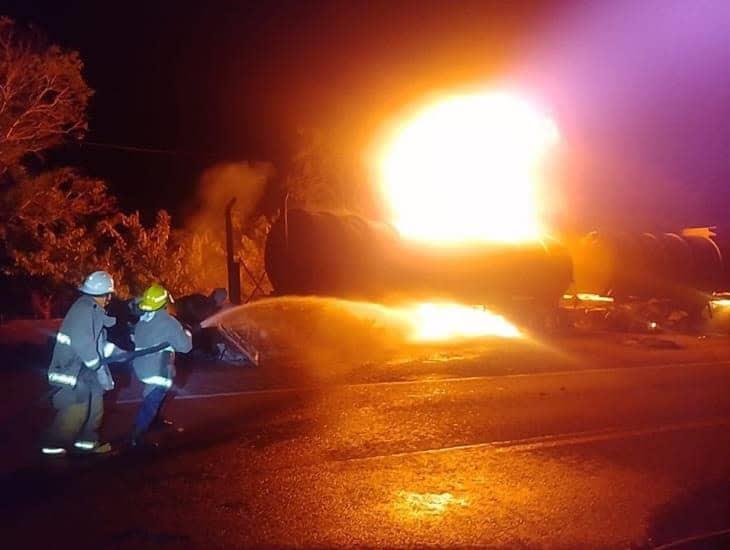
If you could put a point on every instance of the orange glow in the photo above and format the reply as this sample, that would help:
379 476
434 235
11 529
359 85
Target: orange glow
720 303
414 323
428 504
432 322
464 170
436 321
588 297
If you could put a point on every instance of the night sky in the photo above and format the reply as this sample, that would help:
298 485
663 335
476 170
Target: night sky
640 90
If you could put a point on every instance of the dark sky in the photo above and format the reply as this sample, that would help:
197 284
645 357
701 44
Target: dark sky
640 90
234 81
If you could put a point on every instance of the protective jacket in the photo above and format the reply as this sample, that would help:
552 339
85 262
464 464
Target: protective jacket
153 328
80 345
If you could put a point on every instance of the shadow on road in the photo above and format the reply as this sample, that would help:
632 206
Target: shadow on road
694 513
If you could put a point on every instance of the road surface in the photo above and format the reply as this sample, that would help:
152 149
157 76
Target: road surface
592 441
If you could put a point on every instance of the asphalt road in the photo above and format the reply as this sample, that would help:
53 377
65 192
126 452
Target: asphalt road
602 441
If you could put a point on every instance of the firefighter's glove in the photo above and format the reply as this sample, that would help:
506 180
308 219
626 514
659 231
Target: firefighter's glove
108 349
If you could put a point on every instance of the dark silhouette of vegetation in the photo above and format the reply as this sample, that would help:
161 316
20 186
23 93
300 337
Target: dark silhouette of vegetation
43 95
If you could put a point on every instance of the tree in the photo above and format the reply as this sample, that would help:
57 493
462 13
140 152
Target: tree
43 95
57 226
48 224
203 258
139 256
48 230
204 261
184 261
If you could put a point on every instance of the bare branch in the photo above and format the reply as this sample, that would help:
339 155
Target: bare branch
43 96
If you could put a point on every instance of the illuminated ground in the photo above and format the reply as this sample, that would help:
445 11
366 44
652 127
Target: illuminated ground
572 442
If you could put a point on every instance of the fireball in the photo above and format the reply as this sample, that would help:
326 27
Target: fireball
466 169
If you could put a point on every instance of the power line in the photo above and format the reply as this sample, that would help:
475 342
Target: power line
148 150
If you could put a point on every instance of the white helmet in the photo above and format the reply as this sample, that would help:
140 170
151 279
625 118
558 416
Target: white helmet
98 284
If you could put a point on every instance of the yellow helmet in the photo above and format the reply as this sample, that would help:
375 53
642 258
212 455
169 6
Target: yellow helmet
154 298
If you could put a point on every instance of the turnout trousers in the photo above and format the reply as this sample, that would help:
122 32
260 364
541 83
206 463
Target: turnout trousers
154 396
79 412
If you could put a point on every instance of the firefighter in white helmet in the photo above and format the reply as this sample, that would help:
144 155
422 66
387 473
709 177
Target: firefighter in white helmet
156 371
77 371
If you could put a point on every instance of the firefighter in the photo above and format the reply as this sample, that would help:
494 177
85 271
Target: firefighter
76 370
156 371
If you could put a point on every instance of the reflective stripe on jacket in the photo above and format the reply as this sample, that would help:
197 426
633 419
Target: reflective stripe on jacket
79 342
153 329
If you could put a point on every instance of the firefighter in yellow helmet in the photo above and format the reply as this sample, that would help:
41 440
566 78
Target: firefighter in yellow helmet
156 371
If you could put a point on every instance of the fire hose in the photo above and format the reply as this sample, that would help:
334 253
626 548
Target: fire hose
123 357
127 356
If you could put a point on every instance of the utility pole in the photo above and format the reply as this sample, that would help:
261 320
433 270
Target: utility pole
234 269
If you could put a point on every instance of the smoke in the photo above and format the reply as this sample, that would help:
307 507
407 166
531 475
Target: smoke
244 181
203 236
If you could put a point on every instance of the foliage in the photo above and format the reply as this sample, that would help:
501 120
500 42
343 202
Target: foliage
204 265
43 96
182 260
58 226
48 224
137 255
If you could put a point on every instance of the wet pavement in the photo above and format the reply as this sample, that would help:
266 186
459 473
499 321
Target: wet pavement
597 441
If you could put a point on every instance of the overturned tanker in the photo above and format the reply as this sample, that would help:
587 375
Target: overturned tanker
683 268
654 279
320 253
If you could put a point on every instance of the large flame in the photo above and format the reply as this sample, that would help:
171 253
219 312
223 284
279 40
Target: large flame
465 170
416 323
433 322
436 321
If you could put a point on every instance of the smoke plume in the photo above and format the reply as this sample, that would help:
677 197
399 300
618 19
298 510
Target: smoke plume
245 181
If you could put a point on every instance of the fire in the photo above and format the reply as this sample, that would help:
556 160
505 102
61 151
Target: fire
588 297
465 170
433 322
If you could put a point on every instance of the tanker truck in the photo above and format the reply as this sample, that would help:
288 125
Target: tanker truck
347 256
